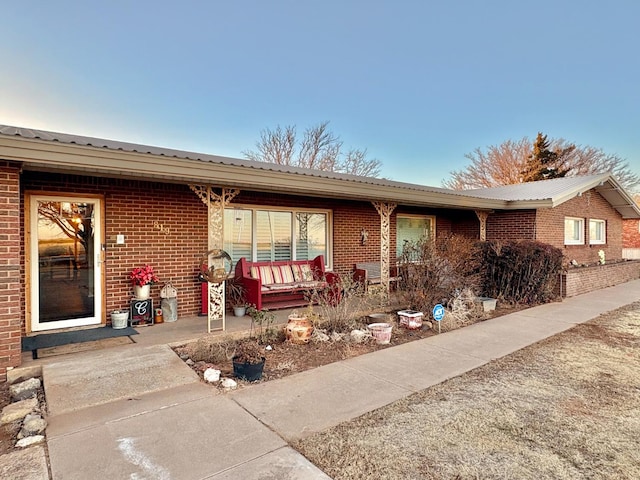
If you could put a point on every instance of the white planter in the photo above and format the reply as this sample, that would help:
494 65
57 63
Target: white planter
239 311
410 319
142 292
381 332
119 319
488 304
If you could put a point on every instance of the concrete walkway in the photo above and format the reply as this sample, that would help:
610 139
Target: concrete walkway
141 413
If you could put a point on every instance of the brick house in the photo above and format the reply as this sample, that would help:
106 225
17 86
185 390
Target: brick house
79 213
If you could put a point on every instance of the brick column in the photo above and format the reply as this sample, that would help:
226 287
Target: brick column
11 314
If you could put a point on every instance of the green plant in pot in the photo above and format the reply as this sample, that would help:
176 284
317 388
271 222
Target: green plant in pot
236 297
248 361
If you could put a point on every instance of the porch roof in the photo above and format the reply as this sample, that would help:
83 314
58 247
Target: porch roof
40 150
558 190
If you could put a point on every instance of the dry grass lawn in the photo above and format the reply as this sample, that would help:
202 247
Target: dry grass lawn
566 408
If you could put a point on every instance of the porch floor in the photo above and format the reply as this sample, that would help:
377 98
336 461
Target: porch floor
184 330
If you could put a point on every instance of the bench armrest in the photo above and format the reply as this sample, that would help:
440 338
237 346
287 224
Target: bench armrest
253 291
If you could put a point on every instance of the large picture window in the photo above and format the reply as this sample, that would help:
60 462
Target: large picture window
264 235
573 231
411 228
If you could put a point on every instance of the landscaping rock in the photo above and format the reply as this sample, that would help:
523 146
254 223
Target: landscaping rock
18 410
337 337
26 389
33 424
319 336
21 374
229 384
28 441
211 375
27 464
359 336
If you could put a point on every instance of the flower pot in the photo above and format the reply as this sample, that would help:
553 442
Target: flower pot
381 332
298 329
119 319
248 371
239 311
410 319
142 292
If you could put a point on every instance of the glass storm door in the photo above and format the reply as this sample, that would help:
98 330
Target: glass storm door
66 286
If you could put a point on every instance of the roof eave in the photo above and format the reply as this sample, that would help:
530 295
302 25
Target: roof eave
45 155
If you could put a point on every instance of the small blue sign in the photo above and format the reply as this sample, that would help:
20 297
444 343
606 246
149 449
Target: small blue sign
438 312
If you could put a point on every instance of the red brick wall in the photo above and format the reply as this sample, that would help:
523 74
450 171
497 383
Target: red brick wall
349 218
511 225
631 233
587 279
164 225
590 205
11 290
464 223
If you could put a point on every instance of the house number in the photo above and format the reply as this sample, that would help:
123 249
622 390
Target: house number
160 227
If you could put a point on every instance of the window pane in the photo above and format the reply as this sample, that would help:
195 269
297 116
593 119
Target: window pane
597 231
573 230
411 229
273 235
237 233
311 235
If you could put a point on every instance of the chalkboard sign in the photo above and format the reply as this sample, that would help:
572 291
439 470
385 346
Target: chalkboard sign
141 312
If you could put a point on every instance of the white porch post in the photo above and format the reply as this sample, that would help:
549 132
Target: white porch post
385 209
215 212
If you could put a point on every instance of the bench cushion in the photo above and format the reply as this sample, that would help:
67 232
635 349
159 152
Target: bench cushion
302 272
254 272
266 274
286 274
295 286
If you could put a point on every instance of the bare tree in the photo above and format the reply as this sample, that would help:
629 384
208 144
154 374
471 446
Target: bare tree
318 149
504 164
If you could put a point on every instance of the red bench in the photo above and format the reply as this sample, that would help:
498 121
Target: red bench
283 284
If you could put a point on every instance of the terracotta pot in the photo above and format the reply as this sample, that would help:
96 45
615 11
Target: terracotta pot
298 330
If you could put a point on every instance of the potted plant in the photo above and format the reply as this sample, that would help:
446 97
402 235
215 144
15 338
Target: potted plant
248 361
236 297
142 279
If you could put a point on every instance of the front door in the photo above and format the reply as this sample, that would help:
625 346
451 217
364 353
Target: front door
65 261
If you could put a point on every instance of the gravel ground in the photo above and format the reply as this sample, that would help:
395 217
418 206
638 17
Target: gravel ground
565 408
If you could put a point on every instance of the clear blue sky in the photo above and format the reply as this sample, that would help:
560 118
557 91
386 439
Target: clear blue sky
417 83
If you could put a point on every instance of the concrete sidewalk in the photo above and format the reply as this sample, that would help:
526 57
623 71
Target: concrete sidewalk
155 419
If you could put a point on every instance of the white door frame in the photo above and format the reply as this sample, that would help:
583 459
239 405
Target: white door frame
33 268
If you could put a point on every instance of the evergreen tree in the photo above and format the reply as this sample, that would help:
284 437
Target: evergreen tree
545 163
